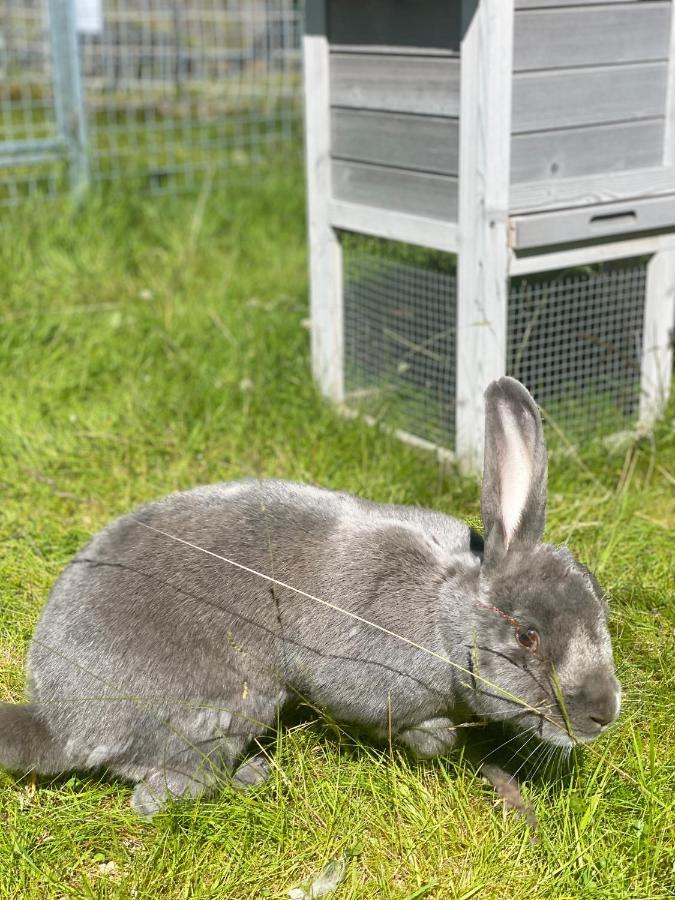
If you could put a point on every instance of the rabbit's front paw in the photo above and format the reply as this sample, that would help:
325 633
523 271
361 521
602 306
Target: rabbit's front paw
509 790
432 737
251 773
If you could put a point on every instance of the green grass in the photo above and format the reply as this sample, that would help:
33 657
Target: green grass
149 346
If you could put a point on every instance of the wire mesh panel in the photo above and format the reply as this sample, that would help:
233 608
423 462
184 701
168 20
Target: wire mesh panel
27 104
176 88
399 336
576 342
173 89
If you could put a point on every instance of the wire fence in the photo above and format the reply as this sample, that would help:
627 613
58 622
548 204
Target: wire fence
573 338
159 92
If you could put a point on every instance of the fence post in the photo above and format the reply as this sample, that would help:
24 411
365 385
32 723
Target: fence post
68 98
656 367
325 250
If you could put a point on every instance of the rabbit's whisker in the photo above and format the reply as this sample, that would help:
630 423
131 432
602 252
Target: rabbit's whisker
524 763
518 735
519 750
542 761
556 754
551 758
558 769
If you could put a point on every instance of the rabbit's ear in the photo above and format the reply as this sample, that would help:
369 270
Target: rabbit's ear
513 500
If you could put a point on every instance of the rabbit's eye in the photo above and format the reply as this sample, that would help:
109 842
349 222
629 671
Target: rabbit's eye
528 638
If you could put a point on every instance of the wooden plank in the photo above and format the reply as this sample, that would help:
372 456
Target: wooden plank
583 151
536 196
412 84
656 369
424 143
379 50
325 252
593 222
527 263
424 23
669 135
431 144
483 262
588 96
394 226
422 194
594 35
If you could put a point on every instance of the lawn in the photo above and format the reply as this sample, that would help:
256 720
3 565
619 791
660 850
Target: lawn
151 345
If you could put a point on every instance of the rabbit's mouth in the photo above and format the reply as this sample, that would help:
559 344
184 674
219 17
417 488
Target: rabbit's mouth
567 736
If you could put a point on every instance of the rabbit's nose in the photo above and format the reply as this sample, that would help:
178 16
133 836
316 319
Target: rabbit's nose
602 717
600 700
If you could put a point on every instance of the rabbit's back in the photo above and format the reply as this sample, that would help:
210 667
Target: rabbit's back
150 608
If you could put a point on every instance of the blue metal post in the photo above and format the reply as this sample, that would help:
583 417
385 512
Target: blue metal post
68 97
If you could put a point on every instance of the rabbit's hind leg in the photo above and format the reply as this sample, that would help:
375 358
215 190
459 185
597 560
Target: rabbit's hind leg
162 785
190 773
252 772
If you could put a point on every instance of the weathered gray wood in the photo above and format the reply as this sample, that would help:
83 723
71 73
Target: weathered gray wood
431 144
588 96
426 143
394 226
594 35
553 99
593 222
483 261
415 84
536 196
656 368
430 196
583 151
325 251
424 23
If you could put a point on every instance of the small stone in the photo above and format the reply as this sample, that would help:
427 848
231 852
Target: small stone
326 882
108 868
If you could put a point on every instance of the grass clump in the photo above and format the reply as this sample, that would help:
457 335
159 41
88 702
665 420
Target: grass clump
151 346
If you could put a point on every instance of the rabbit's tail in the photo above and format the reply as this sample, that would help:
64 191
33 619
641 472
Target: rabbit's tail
25 741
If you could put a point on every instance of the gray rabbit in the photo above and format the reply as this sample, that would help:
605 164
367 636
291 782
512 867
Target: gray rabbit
174 638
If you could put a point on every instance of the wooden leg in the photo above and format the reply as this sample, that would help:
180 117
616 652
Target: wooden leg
657 343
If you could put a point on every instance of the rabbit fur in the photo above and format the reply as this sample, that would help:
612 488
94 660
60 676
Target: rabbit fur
163 663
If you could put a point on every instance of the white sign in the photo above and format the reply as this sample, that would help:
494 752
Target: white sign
89 16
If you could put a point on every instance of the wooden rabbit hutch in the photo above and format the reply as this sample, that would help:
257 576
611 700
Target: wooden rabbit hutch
491 189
